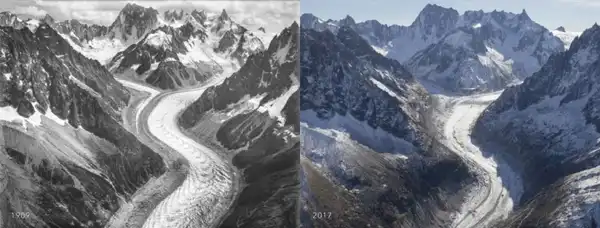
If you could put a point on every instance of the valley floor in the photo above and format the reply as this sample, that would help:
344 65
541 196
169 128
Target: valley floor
499 187
211 183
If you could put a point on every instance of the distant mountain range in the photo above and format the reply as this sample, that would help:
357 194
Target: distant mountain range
475 51
173 50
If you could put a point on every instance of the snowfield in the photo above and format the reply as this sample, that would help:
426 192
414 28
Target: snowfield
500 187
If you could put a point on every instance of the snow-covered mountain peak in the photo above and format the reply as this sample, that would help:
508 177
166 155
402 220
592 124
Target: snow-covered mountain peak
199 43
10 19
33 24
173 15
565 36
224 16
587 40
347 21
133 22
200 16
435 20
159 39
524 15
309 20
48 19
486 51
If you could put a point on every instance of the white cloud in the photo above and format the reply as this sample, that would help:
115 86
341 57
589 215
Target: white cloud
30 11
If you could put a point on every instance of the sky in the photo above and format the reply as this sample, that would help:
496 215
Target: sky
574 15
273 15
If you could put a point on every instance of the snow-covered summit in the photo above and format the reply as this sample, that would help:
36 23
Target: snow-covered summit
567 37
133 22
10 19
474 51
201 43
487 51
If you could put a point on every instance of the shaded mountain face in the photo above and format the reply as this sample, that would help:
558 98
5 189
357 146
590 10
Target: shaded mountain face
186 52
173 16
460 53
344 93
253 116
551 122
486 52
63 148
80 32
366 153
10 19
48 19
156 56
394 41
133 22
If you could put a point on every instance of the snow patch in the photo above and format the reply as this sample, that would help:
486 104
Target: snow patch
33 24
275 106
159 39
348 127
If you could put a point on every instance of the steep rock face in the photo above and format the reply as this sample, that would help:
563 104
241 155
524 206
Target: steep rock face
395 41
172 16
201 45
48 19
253 115
552 121
460 53
344 92
365 140
267 75
70 162
133 22
235 40
156 59
79 31
487 51
10 19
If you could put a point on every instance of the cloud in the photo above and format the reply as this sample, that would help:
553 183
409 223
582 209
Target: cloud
30 11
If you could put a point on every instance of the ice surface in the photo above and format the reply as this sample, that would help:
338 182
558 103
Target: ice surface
495 196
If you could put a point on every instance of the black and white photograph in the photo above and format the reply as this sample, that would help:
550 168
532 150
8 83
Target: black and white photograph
149 114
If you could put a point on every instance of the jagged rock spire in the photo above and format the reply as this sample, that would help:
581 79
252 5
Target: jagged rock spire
223 16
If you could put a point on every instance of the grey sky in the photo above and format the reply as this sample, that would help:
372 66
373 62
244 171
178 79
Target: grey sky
574 15
273 15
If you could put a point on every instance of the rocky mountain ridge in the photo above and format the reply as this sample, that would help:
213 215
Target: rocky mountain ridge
68 159
459 53
552 121
253 117
367 155
171 57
